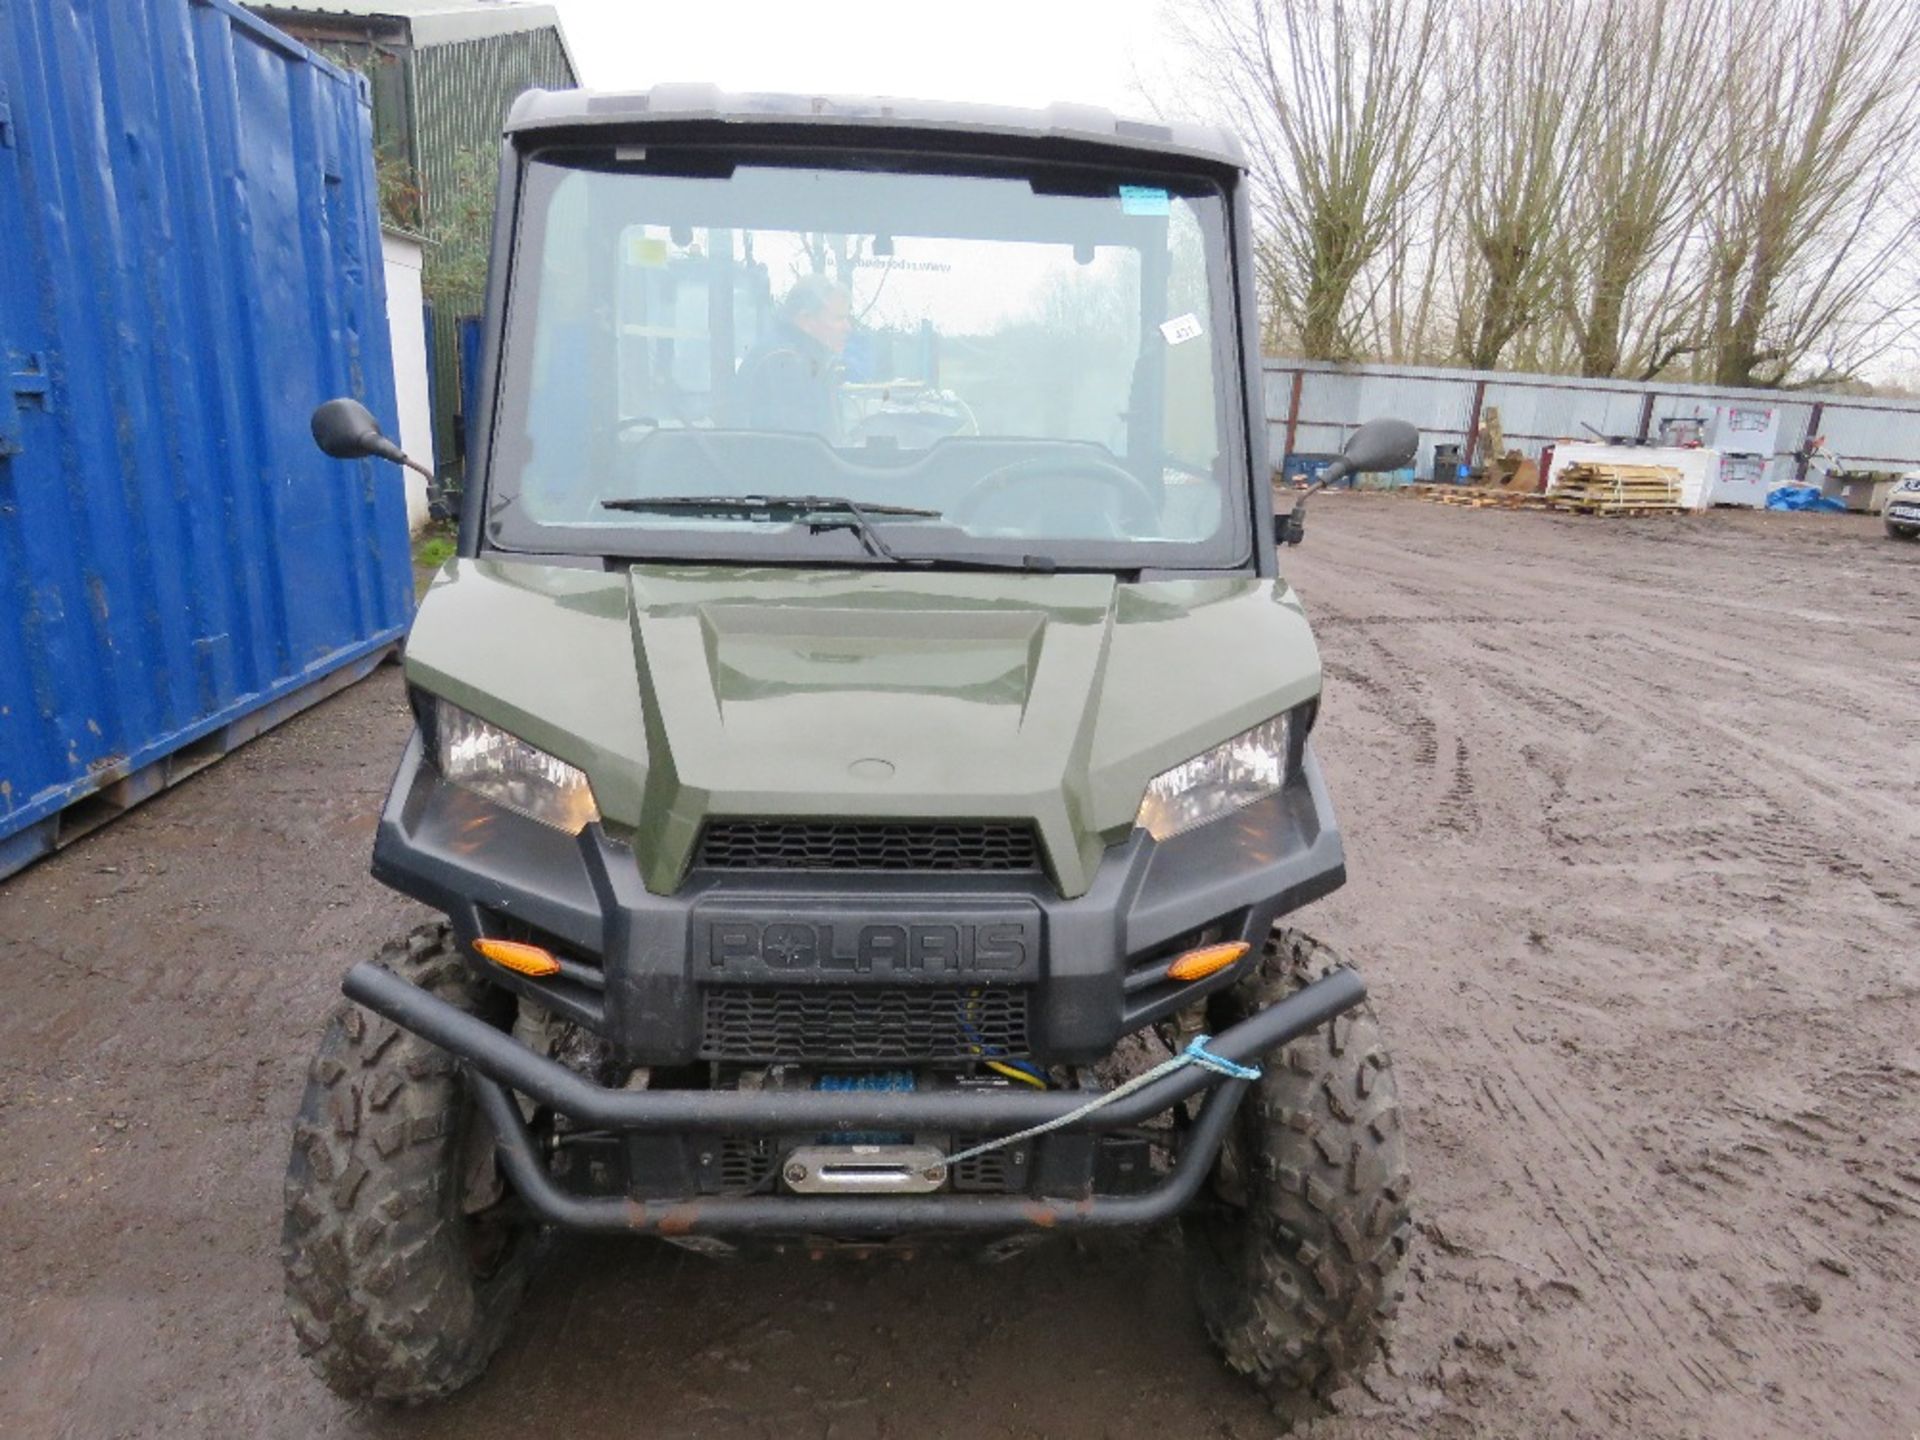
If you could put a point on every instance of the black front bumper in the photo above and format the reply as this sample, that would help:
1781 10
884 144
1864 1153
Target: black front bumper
497 1064
1095 975
637 972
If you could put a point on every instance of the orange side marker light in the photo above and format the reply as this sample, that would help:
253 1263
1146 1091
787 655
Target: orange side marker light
522 959
1207 960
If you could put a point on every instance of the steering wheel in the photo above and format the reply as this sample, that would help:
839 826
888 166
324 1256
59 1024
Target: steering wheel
1139 508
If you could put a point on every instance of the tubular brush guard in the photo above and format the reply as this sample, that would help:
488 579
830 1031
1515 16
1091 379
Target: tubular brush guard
496 1064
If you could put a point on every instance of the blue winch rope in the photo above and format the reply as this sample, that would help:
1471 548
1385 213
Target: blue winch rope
1195 1054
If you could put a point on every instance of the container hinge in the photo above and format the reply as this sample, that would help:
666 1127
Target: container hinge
6 120
28 384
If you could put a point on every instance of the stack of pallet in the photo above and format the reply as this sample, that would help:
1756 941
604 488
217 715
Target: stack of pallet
1611 489
1483 497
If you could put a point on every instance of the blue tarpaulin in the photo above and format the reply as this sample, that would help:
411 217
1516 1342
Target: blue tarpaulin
1801 497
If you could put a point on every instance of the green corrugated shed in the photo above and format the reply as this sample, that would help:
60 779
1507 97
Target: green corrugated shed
443 73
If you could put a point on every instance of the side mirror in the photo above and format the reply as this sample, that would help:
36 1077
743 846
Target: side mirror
1376 445
1380 445
346 430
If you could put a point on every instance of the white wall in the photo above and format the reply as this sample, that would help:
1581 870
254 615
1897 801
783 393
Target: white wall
406 320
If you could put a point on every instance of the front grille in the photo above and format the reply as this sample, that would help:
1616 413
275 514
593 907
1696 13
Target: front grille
832 845
865 1024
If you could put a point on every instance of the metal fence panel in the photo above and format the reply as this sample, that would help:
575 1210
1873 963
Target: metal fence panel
189 261
1869 439
1533 414
1315 405
464 91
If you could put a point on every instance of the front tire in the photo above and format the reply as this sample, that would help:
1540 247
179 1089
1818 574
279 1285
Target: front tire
404 1262
1299 1253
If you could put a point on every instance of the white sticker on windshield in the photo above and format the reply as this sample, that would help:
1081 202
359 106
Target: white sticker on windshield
1180 329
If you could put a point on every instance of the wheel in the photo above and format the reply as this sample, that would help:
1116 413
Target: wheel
404 1256
1299 1252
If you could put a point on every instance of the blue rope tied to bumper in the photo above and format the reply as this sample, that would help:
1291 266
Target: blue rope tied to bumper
1196 1053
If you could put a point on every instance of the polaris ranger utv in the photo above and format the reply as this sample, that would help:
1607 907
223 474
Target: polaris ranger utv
864 750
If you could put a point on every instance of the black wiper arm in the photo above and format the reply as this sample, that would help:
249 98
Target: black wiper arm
858 516
783 506
815 510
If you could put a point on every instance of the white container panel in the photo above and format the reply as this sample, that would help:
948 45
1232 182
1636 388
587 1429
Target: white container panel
407 325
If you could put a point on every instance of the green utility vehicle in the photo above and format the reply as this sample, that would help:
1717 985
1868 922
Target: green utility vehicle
864 750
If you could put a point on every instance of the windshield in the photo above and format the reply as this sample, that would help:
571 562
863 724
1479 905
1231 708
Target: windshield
1035 358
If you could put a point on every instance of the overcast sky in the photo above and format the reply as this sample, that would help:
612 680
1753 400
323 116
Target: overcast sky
1010 52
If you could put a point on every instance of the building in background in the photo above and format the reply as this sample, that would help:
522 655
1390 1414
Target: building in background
443 74
404 256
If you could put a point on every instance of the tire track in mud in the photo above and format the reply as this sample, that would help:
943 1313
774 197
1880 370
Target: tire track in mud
1557 1131
1566 1133
1647 818
1778 843
1440 753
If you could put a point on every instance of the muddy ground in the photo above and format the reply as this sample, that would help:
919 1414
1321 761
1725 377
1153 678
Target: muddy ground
1631 810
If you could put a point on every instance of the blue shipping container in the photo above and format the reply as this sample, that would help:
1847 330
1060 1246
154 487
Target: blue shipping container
189 262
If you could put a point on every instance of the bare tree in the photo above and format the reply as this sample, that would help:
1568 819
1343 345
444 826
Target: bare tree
1720 189
1328 96
1407 310
1821 117
1525 71
1638 190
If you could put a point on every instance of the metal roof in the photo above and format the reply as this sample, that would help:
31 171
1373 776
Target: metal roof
666 104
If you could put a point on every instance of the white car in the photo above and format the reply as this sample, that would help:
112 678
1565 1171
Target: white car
1902 512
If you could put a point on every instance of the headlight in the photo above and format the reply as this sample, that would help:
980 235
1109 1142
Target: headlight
488 761
1249 767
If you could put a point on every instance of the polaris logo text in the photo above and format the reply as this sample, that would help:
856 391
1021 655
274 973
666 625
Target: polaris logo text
1000 947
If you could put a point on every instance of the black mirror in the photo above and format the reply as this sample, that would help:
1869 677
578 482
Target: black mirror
346 430
1380 445
1376 445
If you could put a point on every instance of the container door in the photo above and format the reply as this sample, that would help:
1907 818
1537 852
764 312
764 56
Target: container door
37 756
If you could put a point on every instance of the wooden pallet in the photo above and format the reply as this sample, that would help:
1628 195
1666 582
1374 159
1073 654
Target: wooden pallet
1610 508
1616 490
1482 497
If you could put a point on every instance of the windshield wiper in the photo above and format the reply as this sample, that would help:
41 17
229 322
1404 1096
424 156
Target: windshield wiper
854 515
724 506
817 512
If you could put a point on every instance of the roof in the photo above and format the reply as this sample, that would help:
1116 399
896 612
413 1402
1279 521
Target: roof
537 110
431 22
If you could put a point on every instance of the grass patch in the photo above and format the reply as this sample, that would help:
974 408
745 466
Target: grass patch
432 548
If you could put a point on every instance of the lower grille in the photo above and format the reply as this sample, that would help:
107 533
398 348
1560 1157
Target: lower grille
774 1023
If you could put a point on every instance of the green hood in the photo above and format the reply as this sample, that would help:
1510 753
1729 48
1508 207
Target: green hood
689 691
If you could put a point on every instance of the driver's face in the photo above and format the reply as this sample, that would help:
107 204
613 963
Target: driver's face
831 324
